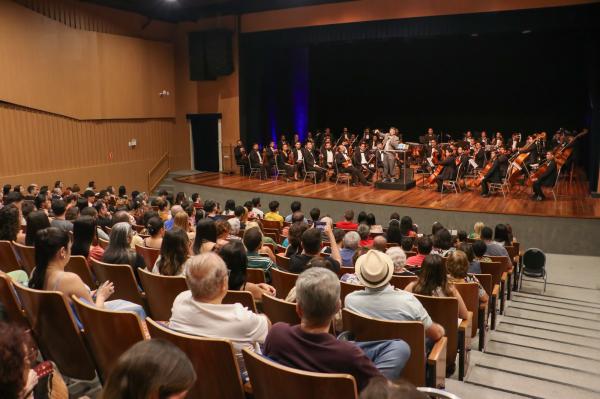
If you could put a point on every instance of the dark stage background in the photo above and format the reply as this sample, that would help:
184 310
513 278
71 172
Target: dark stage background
521 71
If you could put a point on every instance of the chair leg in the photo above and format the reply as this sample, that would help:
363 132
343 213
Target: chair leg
493 310
502 297
462 354
509 286
545 280
481 327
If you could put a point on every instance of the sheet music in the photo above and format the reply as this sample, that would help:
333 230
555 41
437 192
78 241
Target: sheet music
430 161
473 163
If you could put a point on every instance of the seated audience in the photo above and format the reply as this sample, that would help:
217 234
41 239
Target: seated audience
311 244
399 258
253 240
156 229
479 252
458 272
104 216
380 300
424 247
351 242
295 239
224 235
433 281
501 235
461 237
393 233
119 250
380 243
85 241
256 208
36 221
206 237
200 311
407 227
407 243
150 369
364 233
241 214
175 209
10 225
59 209
494 248
380 388
373 226
309 345
474 265
476 234
295 206
122 216
347 223
229 208
234 255
181 221
273 214
174 253
442 243
435 227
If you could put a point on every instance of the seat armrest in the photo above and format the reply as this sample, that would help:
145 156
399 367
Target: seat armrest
496 291
437 360
504 277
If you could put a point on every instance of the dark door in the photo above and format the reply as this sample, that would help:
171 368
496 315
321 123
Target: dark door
205 139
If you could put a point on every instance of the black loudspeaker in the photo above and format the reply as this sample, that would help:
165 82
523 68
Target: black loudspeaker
210 54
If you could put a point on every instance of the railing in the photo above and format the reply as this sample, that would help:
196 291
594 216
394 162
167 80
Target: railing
158 172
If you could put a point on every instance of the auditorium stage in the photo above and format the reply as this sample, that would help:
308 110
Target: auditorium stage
568 226
574 200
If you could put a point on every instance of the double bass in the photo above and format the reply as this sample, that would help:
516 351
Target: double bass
517 165
561 155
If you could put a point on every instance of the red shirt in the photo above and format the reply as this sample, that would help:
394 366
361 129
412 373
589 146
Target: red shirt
415 261
346 225
366 243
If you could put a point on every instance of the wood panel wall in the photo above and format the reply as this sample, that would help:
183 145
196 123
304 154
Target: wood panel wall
41 147
49 66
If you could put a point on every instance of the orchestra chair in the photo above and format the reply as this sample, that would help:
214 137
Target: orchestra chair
419 370
255 170
444 310
11 304
102 243
346 269
534 265
149 254
279 310
78 265
453 183
496 269
342 176
255 275
122 277
347 288
26 256
271 380
213 359
400 282
161 292
8 259
502 186
554 188
282 261
279 171
470 295
244 298
56 333
312 174
283 282
99 327
507 275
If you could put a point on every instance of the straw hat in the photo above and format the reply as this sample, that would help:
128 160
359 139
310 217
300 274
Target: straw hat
374 269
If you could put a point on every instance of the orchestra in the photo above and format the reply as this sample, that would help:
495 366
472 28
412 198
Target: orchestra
374 156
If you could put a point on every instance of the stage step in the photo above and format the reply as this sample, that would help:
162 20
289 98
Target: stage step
544 325
544 344
578 339
467 391
553 318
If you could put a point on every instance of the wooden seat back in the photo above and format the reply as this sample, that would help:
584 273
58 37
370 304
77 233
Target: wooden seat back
271 380
283 282
255 275
470 295
102 243
213 359
26 256
282 261
99 328
410 253
78 265
444 311
504 261
56 331
279 310
149 254
346 270
400 282
11 303
8 259
271 224
161 292
347 288
495 269
244 298
486 282
123 279
366 328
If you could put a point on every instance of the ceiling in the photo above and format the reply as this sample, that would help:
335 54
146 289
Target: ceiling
192 10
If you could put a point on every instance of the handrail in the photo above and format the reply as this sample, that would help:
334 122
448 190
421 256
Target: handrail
152 185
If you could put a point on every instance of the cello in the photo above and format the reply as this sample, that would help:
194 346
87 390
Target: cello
517 165
561 155
486 169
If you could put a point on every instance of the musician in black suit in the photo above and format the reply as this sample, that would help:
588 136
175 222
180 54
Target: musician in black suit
283 158
270 152
480 158
449 171
341 158
241 157
362 159
462 161
256 160
546 179
497 172
310 161
298 153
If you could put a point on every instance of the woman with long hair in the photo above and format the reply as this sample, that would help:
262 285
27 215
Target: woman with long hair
36 221
458 272
85 241
182 221
206 236
174 252
10 224
156 228
442 243
234 255
394 234
433 281
476 234
229 208
180 198
151 369
119 250
407 227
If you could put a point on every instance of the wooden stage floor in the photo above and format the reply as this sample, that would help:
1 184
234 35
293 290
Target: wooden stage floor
573 201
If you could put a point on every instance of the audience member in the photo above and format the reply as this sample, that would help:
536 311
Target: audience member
206 237
399 258
364 233
234 255
351 242
474 265
380 243
311 244
273 214
347 223
479 252
494 248
10 225
85 242
476 234
156 229
442 243
380 388
393 233
59 209
174 252
119 250
424 247
253 240
295 206
229 208
182 222
407 227
36 221
294 239
256 208
458 267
